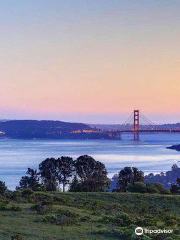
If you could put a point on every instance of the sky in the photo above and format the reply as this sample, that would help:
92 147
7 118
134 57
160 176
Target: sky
91 61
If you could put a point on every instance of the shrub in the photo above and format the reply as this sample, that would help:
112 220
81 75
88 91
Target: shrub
50 218
67 213
102 231
122 218
152 189
165 191
9 194
84 218
158 185
63 217
130 187
160 188
3 205
139 187
17 237
17 196
171 222
43 208
16 209
27 192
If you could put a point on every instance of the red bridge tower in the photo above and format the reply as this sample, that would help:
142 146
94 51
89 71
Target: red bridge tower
136 125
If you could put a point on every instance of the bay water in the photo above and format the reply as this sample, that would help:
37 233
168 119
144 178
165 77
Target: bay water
149 154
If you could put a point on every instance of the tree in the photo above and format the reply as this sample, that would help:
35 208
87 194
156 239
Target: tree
129 175
174 167
125 177
160 187
175 188
178 182
65 169
31 181
99 178
138 175
140 187
75 185
3 187
48 173
91 174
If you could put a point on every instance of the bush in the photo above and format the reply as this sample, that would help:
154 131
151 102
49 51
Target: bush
159 186
171 222
17 237
130 187
16 209
139 187
43 208
27 192
122 218
165 191
67 213
84 218
63 217
3 205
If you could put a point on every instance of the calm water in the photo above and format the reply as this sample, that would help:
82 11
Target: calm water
149 155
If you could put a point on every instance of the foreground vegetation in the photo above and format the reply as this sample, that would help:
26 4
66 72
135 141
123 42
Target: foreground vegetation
32 215
38 210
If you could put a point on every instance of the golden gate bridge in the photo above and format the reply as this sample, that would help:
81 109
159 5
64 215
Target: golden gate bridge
138 123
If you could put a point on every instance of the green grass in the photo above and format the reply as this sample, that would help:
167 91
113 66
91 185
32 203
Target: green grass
89 216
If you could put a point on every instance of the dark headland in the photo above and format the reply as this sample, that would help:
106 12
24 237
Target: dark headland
47 129
174 147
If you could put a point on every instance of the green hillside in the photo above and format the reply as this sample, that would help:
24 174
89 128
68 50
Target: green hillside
76 216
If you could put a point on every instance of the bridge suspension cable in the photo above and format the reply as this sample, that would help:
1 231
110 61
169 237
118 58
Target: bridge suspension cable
143 120
134 124
146 119
130 118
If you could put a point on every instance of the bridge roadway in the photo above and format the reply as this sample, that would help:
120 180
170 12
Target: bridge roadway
146 130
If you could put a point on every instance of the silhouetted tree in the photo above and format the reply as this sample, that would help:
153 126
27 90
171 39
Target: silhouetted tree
175 188
31 181
65 168
174 167
129 175
91 174
75 185
125 177
178 182
138 176
48 174
3 187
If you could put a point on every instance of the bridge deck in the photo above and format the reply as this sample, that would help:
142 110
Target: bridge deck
153 130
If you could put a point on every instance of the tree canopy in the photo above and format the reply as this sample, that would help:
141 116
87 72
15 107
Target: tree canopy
129 175
91 175
31 181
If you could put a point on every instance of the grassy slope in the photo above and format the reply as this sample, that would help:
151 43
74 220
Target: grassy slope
100 216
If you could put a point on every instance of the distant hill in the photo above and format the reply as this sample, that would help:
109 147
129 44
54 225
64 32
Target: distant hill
29 129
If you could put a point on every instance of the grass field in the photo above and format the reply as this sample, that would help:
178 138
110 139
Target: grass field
85 216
